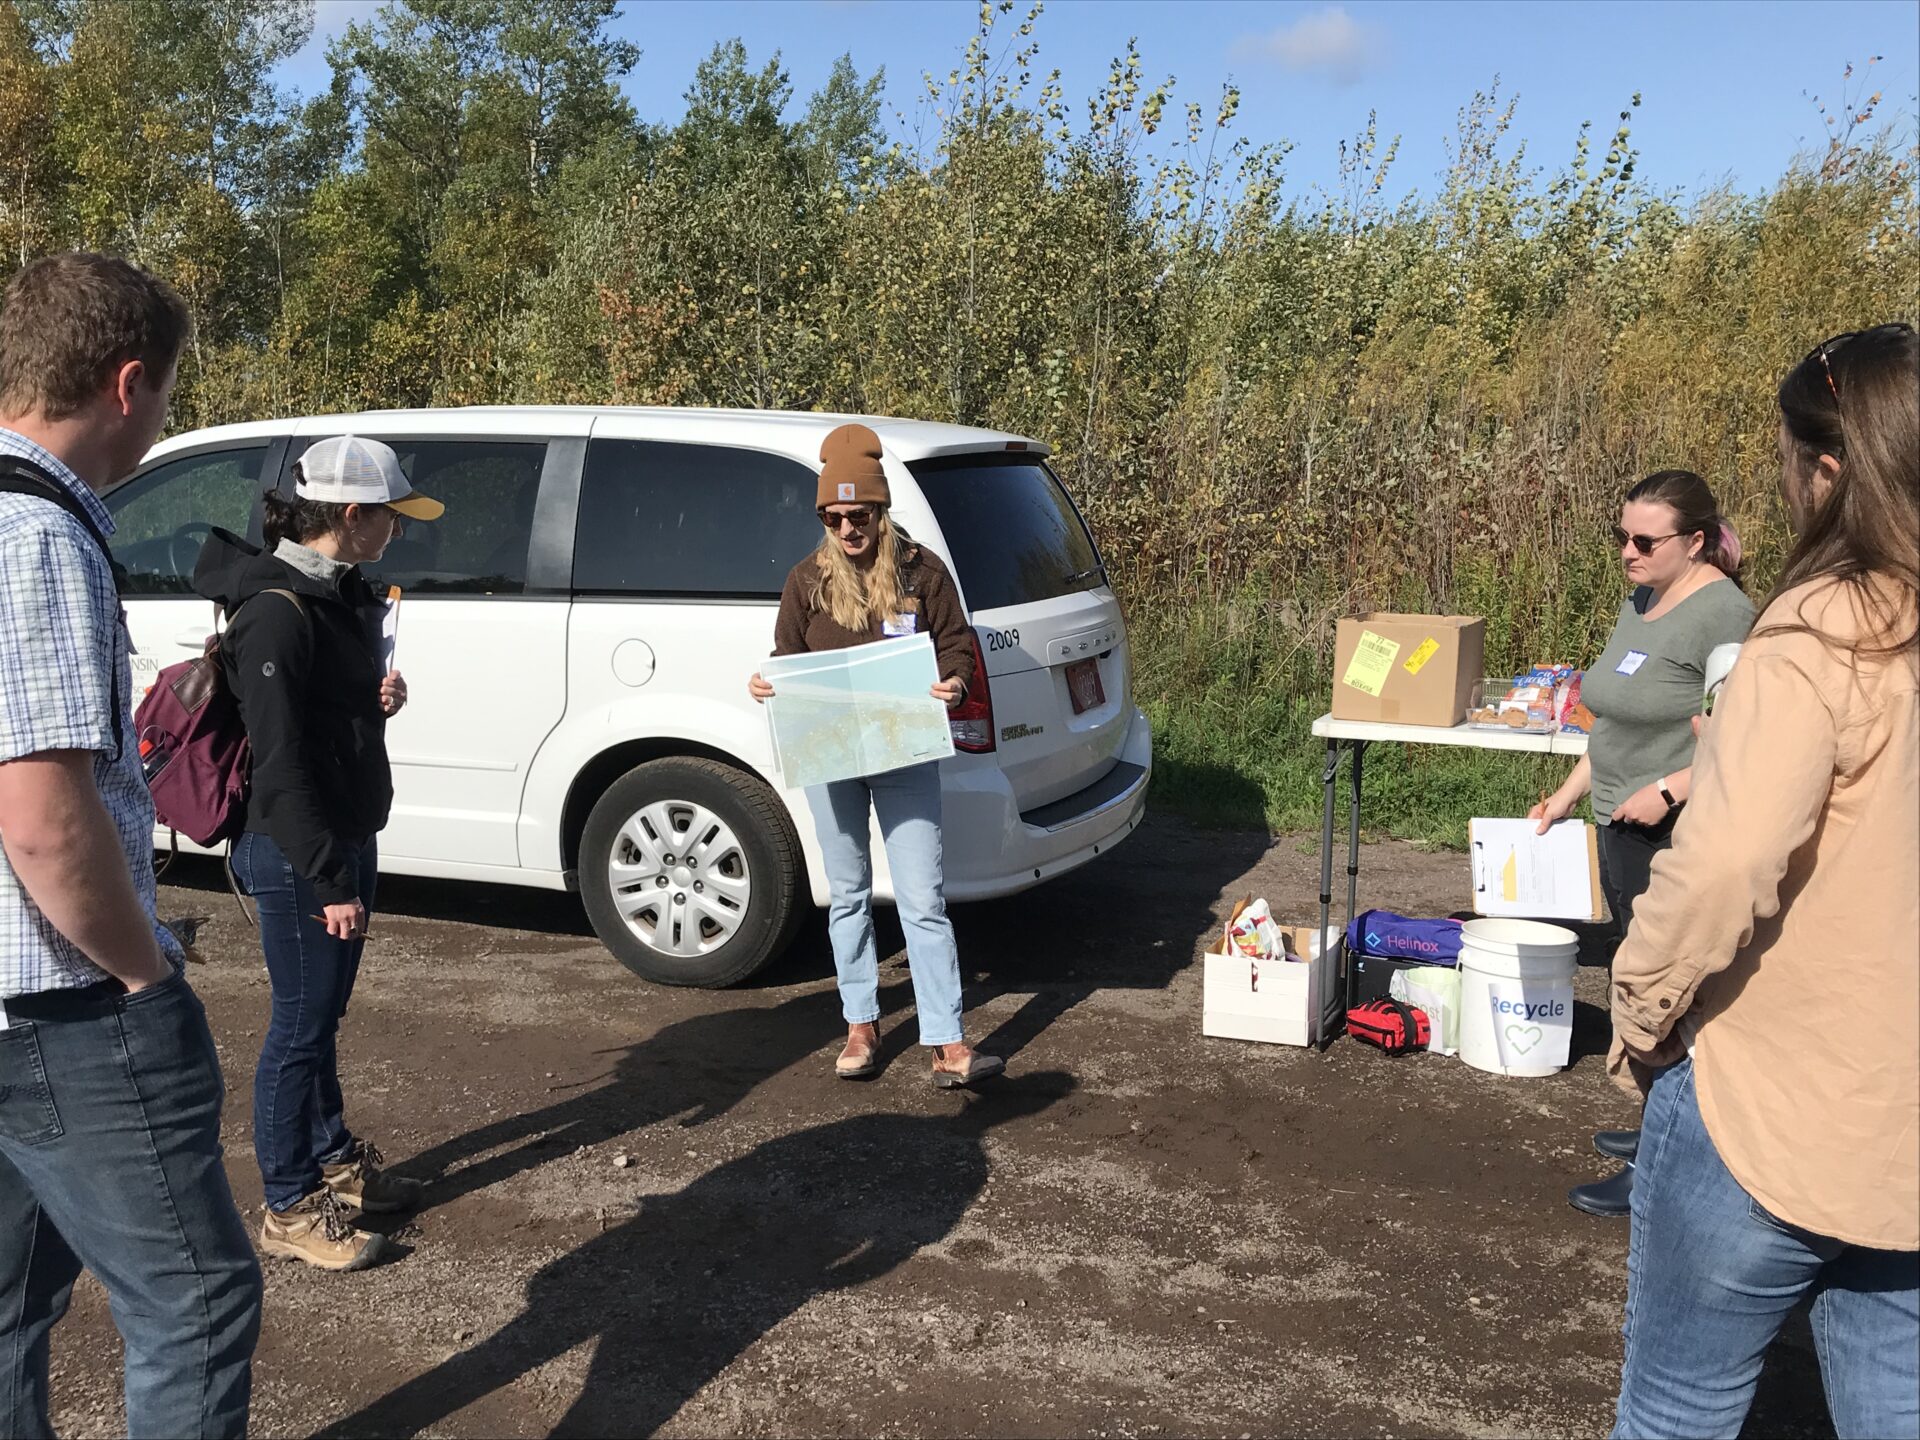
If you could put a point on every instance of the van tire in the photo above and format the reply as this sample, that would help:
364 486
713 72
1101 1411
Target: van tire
764 833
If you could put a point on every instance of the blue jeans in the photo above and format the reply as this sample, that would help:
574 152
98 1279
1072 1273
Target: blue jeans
110 1160
299 1115
1711 1277
907 803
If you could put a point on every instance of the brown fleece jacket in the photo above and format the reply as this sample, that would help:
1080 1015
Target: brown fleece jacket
931 597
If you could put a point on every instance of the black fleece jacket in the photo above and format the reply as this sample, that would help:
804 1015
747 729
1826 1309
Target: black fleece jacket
308 683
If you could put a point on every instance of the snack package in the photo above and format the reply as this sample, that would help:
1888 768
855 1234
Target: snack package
1253 934
1534 703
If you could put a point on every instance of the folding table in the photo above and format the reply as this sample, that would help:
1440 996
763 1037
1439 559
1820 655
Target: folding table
1352 737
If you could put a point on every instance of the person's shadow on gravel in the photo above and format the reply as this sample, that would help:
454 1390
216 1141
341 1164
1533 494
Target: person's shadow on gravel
695 1069
675 1294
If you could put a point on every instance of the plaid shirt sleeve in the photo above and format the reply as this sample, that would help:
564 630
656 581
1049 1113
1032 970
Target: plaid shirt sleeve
57 609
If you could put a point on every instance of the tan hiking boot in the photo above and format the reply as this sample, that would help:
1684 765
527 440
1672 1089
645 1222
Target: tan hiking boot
861 1057
362 1184
320 1231
960 1064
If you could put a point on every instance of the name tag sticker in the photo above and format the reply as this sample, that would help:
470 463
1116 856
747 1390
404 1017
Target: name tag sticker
905 623
1630 664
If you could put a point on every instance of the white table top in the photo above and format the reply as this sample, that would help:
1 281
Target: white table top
1328 728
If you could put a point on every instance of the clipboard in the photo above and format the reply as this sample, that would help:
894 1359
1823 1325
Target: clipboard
1518 873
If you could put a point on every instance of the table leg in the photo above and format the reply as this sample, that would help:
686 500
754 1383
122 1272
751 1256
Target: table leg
1328 778
1353 831
1359 748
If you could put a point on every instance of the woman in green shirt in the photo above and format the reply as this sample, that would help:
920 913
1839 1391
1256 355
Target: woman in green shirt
1684 561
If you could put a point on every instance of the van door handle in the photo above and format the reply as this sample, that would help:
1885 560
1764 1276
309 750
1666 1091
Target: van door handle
194 639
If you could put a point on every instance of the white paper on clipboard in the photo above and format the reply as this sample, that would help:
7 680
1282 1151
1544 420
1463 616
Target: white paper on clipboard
390 630
1516 872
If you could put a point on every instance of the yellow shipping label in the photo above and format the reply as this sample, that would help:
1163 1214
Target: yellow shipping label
1371 661
1429 648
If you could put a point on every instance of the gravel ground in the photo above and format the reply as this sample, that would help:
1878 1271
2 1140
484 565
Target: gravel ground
656 1210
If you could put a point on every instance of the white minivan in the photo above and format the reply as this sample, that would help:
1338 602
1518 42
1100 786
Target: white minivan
578 631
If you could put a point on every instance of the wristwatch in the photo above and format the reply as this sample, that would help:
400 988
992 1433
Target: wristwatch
1667 795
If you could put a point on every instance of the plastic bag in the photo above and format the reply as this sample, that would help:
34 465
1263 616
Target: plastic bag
1253 934
1437 991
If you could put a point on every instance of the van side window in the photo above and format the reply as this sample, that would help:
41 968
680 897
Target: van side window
479 547
660 518
162 518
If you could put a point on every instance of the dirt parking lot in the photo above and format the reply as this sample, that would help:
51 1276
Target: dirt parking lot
656 1210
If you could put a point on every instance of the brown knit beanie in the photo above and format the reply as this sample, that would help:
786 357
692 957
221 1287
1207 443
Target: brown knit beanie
850 472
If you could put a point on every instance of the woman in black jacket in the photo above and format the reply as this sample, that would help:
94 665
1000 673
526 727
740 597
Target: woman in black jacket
304 660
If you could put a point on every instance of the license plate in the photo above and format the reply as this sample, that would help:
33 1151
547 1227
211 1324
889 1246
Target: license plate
1084 687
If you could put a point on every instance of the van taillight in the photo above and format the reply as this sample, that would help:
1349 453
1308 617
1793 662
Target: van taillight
972 719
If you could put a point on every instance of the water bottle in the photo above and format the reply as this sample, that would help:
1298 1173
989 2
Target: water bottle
1719 665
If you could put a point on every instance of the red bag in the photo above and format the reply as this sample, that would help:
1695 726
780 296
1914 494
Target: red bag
1392 1025
193 748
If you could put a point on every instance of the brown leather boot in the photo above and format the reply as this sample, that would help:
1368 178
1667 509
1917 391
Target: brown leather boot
319 1230
861 1057
359 1182
960 1064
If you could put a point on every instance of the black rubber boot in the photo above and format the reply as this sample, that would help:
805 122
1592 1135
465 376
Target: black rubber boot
1606 1198
1617 1144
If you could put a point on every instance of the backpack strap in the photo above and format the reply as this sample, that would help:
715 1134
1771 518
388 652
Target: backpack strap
20 476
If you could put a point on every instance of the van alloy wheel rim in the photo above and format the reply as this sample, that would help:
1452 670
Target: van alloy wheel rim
679 878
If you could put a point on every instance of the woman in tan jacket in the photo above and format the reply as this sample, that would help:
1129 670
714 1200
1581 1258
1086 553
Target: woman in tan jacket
1767 997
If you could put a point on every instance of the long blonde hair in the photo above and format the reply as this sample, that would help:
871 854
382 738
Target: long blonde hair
852 598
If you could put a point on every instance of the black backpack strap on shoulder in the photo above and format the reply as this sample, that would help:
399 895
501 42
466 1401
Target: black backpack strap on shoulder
23 477
20 476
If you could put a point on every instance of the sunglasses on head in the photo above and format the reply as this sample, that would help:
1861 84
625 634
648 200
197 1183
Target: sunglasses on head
1645 544
1826 347
860 517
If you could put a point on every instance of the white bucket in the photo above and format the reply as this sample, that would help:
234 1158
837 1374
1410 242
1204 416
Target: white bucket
1516 996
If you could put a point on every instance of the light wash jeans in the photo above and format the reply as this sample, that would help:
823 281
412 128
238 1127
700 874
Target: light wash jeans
1712 1276
907 803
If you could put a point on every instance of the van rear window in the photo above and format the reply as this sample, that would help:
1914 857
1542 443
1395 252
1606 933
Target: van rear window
1014 534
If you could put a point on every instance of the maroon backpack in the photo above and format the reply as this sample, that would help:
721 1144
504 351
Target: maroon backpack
193 746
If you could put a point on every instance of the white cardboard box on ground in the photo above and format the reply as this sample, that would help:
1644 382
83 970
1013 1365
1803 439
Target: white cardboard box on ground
1266 1000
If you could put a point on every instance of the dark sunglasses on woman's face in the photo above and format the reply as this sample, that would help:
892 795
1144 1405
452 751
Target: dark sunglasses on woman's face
860 518
1645 544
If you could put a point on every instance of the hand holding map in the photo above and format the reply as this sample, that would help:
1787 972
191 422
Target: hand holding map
837 714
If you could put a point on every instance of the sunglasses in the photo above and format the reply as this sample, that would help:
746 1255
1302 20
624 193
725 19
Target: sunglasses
859 519
1825 348
1645 544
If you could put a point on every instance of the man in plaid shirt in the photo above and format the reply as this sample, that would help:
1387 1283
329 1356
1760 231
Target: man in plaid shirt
110 1091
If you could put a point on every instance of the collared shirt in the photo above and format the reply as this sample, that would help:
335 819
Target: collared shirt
62 645
1783 926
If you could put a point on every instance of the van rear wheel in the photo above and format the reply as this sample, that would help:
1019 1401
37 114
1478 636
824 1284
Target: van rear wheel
691 872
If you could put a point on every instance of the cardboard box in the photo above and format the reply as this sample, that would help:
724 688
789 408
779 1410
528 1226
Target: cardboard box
1407 669
1266 1000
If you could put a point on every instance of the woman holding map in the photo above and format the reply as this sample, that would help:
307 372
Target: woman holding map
1684 562
869 581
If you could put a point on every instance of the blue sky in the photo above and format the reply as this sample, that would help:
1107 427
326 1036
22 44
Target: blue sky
1721 83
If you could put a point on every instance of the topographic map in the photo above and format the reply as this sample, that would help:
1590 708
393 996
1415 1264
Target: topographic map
863 711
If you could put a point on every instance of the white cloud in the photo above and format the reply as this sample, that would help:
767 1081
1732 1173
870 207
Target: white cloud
1330 42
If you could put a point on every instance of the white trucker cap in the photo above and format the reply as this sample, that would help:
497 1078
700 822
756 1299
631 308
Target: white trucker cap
353 470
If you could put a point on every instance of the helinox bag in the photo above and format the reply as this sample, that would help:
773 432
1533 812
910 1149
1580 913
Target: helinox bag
1396 937
193 746
1391 1025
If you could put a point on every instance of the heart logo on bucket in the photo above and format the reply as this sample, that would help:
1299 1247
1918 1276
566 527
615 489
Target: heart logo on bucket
1523 1037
